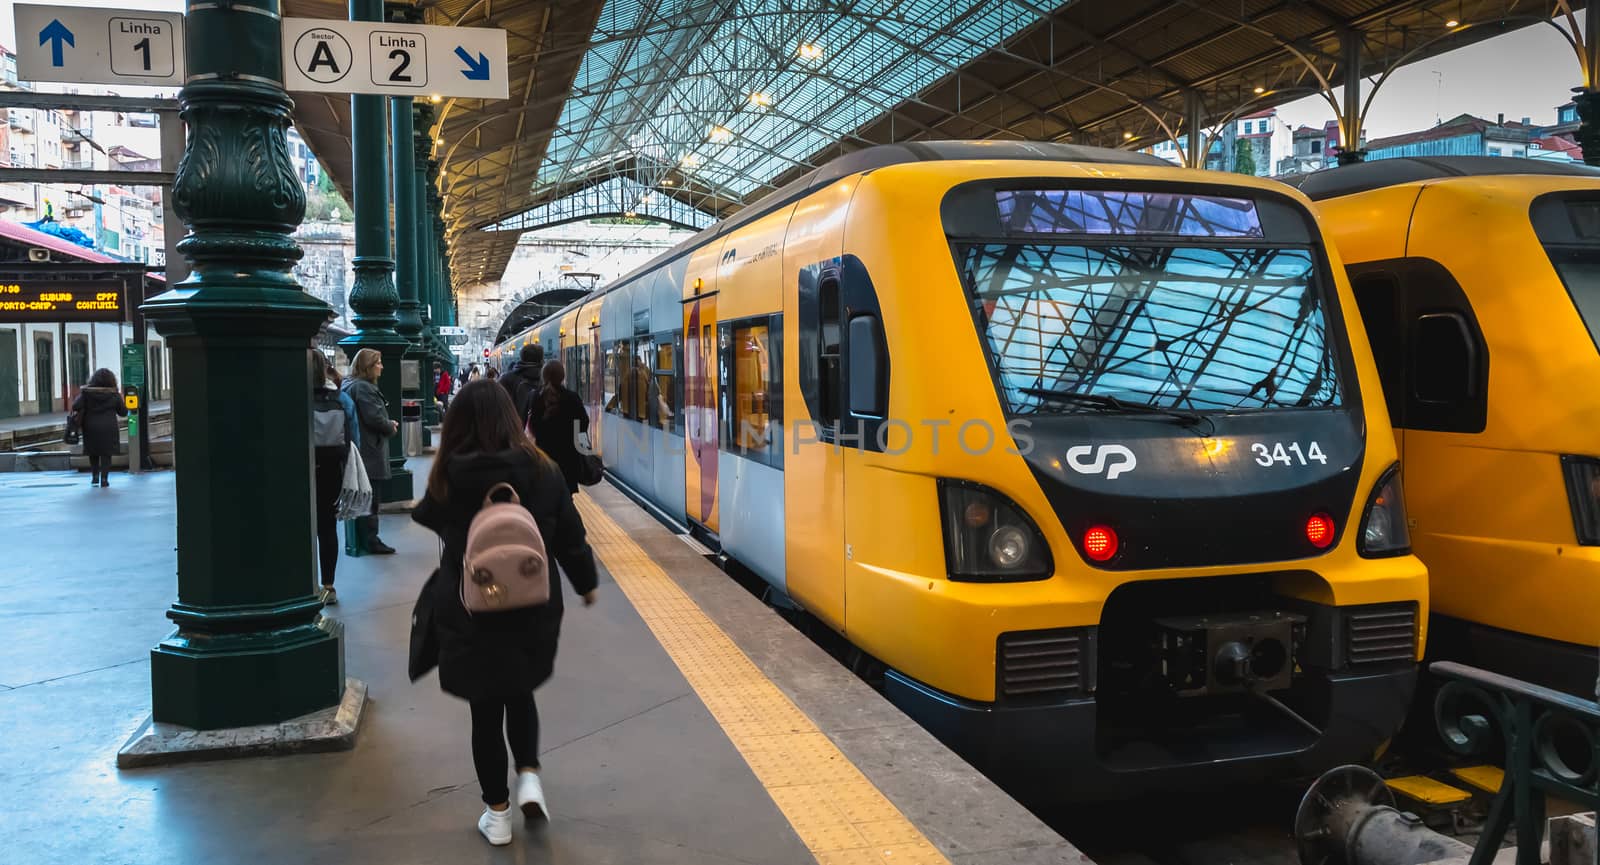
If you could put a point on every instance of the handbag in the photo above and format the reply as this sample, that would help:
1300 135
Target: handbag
355 491
74 433
590 468
424 654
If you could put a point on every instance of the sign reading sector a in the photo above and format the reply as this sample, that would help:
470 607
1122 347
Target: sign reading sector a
328 56
84 45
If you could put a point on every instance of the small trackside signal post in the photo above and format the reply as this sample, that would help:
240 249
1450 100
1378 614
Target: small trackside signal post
132 388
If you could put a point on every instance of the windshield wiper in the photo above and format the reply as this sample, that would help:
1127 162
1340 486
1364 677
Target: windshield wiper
1112 404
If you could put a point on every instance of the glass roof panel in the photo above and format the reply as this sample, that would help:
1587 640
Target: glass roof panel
733 93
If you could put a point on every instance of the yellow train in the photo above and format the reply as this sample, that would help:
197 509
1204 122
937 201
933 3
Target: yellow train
1479 283
1085 449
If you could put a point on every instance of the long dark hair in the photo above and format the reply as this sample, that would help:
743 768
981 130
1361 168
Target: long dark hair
481 419
319 370
554 375
103 378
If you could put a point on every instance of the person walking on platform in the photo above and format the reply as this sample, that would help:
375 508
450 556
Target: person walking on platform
495 660
522 382
556 417
95 411
375 430
443 387
333 429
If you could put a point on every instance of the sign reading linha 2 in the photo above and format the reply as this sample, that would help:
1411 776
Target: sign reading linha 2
99 46
327 56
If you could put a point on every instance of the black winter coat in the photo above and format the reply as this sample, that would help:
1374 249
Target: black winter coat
555 428
373 415
522 382
501 654
98 408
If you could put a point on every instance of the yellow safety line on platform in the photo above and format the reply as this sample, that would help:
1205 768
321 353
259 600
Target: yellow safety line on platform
839 815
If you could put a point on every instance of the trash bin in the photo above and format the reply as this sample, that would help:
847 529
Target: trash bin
411 426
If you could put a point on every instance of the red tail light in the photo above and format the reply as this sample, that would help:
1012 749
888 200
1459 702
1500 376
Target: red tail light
1320 530
1100 543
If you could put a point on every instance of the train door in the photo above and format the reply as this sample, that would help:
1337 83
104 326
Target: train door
814 472
10 378
700 396
43 374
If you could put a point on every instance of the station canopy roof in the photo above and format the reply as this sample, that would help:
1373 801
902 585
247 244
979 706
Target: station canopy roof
688 110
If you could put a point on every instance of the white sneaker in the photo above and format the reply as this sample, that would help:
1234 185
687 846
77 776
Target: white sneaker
530 795
496 826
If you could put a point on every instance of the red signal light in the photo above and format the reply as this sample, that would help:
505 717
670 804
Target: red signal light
1320 530
1100 543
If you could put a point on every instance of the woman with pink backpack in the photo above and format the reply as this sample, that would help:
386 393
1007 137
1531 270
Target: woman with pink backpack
495 607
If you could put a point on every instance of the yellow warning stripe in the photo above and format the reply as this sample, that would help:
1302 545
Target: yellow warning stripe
839 815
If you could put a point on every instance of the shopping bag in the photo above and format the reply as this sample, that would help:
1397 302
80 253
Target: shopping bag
355 492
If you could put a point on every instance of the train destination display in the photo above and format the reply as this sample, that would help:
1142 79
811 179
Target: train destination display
65 300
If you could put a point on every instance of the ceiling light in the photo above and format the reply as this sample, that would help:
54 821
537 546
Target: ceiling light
439 141
1260 90
721 133
1128 136
1452 23
629 214
689 160
760 100
667 182
435 99
810 51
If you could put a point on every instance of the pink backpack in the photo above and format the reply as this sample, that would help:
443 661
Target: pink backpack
505 567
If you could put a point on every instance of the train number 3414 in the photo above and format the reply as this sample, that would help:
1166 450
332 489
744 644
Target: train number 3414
1289 454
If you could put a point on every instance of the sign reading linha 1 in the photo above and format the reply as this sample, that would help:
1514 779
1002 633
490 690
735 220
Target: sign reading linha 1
328 56
73 300
99 46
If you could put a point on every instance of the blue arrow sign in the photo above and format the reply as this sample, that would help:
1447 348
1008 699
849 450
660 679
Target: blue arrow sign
477 70
56 33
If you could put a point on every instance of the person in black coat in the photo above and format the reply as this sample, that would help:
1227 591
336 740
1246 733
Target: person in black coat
522 382
95 412
556 417
495 660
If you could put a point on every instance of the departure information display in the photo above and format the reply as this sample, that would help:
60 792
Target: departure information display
65 300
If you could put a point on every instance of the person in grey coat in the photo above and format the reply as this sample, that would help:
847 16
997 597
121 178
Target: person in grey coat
376 430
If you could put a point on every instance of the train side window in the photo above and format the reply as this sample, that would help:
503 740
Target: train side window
613 397
663 381
828 359
868 388
1382 311
639 372
1443 364
751 366
775 437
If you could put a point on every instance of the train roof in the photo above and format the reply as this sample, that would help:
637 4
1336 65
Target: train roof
883 156
1367 176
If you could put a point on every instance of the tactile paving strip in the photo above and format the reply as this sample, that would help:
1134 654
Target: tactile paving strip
839 815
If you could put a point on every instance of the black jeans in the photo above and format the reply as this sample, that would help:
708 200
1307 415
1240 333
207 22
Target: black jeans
100 465
521 719
329 480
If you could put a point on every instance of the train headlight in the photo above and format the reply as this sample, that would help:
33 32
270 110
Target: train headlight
1583 493
1008 547
1383 526
987 537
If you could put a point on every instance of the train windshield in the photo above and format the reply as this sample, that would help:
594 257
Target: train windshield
1222 325
1570 230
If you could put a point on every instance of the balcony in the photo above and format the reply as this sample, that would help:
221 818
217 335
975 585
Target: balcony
20 118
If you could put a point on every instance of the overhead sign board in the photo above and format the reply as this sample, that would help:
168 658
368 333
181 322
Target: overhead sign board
61 300
84 45
328 56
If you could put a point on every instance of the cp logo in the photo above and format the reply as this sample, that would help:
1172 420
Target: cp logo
1110 460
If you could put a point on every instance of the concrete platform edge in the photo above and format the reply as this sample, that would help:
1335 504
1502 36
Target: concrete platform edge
961 812
330 729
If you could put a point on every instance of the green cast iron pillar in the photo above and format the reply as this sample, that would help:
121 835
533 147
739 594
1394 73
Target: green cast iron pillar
406 232
374 297
418 142
251 645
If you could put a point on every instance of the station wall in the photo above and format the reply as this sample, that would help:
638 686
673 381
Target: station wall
42 365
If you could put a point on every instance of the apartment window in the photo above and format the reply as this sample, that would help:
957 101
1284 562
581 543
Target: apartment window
1316 147
1494 151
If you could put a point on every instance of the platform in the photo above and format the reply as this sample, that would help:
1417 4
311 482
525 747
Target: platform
685 723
